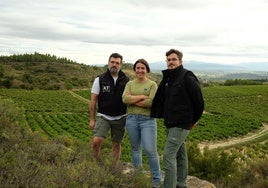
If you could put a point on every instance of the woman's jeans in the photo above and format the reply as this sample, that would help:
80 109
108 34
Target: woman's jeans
142 131
175 158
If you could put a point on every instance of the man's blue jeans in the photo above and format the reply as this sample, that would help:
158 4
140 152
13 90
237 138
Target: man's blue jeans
142 131
175 158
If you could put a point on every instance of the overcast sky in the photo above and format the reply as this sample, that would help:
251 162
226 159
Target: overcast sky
88 31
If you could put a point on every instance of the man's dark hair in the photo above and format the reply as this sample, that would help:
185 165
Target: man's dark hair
171 51
116 55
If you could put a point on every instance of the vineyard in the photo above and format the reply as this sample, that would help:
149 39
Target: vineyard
230 111
52 113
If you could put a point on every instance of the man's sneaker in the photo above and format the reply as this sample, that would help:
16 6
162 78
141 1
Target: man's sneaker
156 186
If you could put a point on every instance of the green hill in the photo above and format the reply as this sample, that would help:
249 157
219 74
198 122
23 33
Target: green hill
39 71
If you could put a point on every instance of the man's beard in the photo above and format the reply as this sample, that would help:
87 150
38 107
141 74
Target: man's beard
113 70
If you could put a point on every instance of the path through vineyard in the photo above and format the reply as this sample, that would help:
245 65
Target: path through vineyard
237 140
79 97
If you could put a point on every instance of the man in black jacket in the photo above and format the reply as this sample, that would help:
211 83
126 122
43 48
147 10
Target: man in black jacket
107 92
179 101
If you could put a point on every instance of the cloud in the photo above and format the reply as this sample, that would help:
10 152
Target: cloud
88 31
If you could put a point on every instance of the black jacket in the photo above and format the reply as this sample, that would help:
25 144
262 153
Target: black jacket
178 99
110 96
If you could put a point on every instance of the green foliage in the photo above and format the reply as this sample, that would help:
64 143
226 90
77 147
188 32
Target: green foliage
210 165
254 174
242 82
232 169
10 116
38 71
36 57
44 71
127 66
231 111
7 83
84 93
1 71
68 86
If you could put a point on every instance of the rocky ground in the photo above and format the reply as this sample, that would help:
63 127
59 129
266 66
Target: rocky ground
192 182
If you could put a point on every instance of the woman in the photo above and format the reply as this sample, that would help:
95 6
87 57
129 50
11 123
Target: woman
141 128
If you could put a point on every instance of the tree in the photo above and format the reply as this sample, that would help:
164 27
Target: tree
1 71
7 83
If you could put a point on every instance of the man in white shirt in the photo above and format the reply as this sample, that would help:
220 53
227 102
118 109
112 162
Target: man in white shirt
107 111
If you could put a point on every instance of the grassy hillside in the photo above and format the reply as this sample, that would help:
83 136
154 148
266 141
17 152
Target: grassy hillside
38 71
44 72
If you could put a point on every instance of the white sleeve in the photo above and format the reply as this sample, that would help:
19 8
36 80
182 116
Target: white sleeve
96 86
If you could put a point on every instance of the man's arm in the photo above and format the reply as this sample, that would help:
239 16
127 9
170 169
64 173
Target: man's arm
93 109
196 96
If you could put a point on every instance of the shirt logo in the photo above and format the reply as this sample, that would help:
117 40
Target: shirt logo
106 89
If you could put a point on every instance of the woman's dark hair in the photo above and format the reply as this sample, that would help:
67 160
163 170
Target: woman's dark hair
143 61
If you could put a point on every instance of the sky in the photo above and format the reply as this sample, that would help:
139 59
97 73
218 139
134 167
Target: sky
88 31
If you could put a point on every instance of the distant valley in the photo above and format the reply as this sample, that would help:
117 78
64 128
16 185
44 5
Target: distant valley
214 71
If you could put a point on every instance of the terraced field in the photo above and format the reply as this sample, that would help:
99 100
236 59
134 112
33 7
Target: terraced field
231 113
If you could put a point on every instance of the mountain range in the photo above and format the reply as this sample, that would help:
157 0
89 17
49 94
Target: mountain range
214 67
214 71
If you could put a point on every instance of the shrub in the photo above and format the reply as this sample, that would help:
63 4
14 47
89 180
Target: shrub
211 165
7 83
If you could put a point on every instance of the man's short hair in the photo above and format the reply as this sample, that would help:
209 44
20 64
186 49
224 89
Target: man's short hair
116 55
171 51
